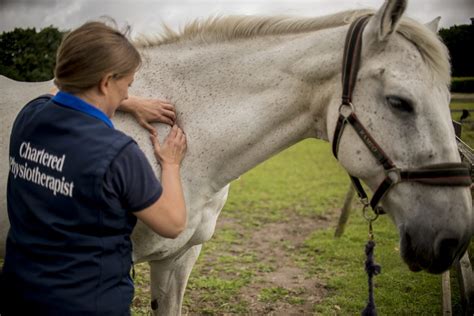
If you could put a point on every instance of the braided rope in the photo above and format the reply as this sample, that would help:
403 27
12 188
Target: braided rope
372 269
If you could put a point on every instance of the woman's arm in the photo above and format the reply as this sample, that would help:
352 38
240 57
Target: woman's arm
145 110
167 216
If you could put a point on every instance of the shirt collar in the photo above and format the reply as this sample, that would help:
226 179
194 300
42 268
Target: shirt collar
71 101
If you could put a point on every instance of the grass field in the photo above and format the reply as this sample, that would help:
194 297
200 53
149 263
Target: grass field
468 128
280 218
274 251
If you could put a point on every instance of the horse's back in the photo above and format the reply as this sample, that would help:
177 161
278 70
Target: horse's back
14 95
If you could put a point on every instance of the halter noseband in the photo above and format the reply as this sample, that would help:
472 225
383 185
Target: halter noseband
445 174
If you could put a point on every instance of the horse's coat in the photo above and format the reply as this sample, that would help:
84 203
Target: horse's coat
245 89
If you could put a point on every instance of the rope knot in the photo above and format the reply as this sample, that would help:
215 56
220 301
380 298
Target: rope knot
370 266
372 269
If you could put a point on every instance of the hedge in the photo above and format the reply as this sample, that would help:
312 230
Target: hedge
462 84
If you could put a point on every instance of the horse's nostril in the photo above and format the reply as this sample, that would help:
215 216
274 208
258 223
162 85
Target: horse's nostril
435 257
446 248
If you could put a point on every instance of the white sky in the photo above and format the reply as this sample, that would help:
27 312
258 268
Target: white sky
146 16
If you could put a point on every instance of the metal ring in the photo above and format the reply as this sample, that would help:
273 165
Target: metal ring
346 105
368 217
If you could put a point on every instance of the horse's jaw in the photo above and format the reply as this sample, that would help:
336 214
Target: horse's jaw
435 225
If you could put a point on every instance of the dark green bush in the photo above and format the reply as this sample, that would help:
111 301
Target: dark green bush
28 55
463 85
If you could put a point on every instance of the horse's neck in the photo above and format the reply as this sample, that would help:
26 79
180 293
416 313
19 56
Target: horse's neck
242 101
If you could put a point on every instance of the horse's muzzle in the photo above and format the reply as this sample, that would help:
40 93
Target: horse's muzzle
435 255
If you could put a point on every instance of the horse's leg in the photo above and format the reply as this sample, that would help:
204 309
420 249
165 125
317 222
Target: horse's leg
168 282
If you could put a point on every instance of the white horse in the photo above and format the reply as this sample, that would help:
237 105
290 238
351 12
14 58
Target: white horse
246 88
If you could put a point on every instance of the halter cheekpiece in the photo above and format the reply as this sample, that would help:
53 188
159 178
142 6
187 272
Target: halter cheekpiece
445 174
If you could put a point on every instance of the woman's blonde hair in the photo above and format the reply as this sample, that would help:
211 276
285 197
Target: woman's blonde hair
89 53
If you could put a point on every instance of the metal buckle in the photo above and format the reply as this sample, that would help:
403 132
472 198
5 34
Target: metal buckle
365 202
379 210
394 175
346 109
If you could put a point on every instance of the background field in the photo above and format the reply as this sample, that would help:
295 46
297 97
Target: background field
274 250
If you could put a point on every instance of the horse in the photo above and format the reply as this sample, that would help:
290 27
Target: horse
247 87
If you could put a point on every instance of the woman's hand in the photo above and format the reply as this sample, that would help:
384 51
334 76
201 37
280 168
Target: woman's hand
172 151
168 216
147 111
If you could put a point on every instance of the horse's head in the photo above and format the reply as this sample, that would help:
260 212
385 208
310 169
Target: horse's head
401 97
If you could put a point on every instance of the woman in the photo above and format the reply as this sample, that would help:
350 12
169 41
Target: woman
77 186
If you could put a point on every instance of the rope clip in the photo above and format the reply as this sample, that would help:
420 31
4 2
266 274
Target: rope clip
370 217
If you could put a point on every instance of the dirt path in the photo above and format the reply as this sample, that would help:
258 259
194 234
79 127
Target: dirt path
274 243
278 286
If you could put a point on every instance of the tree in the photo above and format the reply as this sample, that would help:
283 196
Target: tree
460 41
27 55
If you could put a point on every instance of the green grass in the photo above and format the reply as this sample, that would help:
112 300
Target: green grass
304 181
467 134
340 263
274 294
307 180
462 78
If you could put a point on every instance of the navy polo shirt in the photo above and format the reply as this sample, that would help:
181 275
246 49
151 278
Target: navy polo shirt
74 182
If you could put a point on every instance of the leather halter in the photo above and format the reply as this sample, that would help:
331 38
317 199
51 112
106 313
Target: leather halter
445 174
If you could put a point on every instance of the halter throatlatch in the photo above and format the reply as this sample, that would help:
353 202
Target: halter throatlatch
445 174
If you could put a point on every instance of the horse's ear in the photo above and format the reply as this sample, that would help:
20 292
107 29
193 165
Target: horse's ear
385 21
434 25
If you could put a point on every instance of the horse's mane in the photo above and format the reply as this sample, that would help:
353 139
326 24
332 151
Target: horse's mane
222 28
216 29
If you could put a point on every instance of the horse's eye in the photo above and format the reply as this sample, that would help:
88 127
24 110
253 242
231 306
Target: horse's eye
400 104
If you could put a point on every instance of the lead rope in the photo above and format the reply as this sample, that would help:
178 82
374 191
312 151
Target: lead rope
371 267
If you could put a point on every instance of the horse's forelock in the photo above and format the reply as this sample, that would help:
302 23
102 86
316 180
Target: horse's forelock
432 49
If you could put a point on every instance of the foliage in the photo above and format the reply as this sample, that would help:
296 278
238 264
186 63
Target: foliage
462 84
468 126
459 39
28 55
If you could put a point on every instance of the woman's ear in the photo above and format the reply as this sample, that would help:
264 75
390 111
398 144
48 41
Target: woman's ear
104 84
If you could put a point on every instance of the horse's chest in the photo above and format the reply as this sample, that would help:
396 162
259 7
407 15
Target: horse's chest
209 212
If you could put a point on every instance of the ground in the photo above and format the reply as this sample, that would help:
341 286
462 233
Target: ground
277 284
283 286
274 251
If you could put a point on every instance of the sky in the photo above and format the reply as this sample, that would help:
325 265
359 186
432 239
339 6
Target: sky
148 16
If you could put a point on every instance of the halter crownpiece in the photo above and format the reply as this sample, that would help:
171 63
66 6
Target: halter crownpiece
445 174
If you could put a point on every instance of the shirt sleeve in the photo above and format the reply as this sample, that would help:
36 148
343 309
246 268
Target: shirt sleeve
131 180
